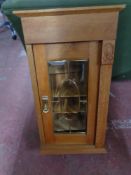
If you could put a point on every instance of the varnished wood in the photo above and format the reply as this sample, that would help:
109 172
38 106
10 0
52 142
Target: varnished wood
44 88
72 34
103 101
40 56
69 51
70 28
94 66
71 149
70 139
35 92
108 49
66 11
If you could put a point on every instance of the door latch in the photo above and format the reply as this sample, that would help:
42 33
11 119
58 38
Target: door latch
45 104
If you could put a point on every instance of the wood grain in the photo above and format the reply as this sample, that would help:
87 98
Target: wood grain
70 139
35 92
44 88
94 66
72 34
40 54
71 149
70 28
108 49
69 51
103 101
66 11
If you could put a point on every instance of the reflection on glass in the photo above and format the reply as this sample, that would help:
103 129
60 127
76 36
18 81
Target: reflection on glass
68 83
70 123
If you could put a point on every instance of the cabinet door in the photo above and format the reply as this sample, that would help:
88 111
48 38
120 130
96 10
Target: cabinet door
67 76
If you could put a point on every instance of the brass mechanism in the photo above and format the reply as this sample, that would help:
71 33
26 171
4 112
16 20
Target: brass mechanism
45 104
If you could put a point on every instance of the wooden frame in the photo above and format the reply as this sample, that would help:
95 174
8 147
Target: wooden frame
72 33
67 11
41 58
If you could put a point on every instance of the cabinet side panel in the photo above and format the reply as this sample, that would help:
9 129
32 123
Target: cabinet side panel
35 92
104 89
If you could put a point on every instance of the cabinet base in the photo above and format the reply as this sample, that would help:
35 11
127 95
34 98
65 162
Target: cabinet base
71 149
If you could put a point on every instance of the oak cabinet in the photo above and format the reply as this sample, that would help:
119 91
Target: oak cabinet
71 53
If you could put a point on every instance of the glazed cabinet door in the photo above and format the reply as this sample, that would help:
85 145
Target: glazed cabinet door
67 76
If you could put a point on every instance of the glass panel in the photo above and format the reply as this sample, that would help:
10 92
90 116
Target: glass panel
68 83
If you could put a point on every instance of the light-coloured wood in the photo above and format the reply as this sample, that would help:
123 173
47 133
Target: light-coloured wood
108 49
94 66
103 101
40 55
68 28
71 149
66 11
66 51
35 92
44 89
70 139
72 34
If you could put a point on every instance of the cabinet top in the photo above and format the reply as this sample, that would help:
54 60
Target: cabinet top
66 11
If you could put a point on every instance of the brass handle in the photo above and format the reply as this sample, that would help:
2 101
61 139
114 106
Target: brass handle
45 104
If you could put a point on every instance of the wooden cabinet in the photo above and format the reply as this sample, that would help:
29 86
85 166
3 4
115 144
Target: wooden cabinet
70 53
